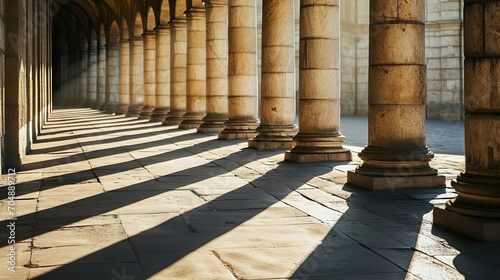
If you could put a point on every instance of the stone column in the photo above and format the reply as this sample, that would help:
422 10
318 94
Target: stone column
92 77
73 77
101 78
476 210
112 77
136 82
178 52
277 113
124 77
162 88
319 138
63 97
84 76
196 84
242 80
149 75
396 155
217 29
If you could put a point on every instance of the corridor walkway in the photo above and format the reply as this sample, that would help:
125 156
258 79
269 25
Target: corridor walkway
108 197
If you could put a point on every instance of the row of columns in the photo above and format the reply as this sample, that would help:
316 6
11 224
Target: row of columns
208 80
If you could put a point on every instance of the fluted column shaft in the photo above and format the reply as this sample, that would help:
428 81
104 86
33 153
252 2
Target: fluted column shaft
319 138
242 80
149 75
84 64
136 82
217 55
277 114
162 88
112 78
196 87
101 78
124 77
92 77
476 210
178 72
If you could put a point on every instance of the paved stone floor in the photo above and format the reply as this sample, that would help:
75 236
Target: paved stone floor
108 197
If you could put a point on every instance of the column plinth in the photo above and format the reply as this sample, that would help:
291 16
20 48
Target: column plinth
396 155
136 82
242 72
149 75
162 102
124 77
196 84
217 36
178 52
319 138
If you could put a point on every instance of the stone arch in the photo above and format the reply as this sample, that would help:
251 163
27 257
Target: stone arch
138 27
150 20
102 35
125 32
114 33
164 13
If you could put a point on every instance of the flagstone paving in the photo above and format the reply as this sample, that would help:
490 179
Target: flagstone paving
108 197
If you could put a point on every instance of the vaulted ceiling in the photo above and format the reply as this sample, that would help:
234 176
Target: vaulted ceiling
78 22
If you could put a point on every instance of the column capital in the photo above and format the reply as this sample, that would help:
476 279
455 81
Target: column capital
112 45
124 41
162 28
178 23
149 34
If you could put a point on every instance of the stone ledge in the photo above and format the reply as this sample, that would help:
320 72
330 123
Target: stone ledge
388 183
478 228
271 145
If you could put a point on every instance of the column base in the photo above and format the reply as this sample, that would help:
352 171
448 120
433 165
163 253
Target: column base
110 108
239 129
134 111
318 147
274 137
213 124
482 229
175 117
146 113
122 110
394 182
191 120
159 114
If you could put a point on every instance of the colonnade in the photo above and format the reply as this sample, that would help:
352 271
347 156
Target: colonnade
201 72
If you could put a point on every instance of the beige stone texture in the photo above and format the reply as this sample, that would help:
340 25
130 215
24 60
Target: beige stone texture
112 78
124 77
178 51
136 82
242 72
162 87
101 77
149 75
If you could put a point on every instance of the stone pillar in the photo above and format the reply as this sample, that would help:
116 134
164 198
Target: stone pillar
178 52
136 82
92 77
476 210
216 46
196 83
319 138
277 113
242 80
63 97
162 88
149 75
73 77
396 155
112 77
84 76
124 77
101 78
